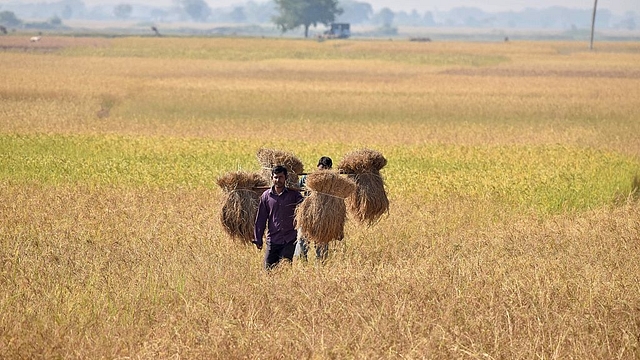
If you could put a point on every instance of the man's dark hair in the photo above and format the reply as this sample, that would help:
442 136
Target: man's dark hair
326 162
279 169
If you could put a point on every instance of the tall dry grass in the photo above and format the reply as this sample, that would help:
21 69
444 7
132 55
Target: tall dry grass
513 230
117 273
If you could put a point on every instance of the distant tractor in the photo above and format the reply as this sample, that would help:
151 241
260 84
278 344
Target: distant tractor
338 31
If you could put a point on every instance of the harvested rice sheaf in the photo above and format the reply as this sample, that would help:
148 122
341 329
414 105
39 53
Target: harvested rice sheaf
369 202
321 217
239 213
241 180
322 214
268 158
330 182
361 161
241 204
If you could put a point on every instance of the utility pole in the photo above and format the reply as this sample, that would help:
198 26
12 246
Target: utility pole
593 23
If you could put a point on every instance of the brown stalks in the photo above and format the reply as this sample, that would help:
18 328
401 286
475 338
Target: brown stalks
269 158
323 213
241 204
369 202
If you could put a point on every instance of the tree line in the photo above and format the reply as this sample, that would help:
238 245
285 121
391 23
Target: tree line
289 15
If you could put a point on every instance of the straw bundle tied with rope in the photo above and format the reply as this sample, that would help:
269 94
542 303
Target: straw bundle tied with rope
241 204
369 201
269 158
322 214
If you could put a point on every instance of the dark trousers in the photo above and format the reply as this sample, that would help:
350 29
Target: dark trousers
276 252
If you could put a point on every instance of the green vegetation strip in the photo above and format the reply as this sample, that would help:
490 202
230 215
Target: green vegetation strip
120 161
544 178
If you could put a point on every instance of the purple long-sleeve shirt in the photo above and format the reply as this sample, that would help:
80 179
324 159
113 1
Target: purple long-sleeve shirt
276 214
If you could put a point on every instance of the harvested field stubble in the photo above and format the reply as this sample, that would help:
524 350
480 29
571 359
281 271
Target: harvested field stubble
517 281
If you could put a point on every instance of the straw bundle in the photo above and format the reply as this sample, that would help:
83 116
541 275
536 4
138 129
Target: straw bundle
269 158
241 180
362 161
369 201
329 182
241 204
322 214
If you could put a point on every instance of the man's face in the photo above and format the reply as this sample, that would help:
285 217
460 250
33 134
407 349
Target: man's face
279 180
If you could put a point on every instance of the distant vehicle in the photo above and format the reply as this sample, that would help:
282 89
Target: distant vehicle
338 31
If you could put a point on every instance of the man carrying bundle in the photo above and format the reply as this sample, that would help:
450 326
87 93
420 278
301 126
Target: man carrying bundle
302 247
322 215
276 214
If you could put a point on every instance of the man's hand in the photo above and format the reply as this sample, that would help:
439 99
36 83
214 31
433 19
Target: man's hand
258 244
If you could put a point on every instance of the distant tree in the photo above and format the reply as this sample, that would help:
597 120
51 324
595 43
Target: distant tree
295 13
385 17
428 19
412 19
198 10
8 18
237 15
69 8
416 19
55 21
122 11
355 12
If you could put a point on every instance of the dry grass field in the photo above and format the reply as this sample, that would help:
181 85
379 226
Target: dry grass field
513 174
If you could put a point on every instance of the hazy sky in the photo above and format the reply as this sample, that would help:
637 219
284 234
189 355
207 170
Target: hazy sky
617 6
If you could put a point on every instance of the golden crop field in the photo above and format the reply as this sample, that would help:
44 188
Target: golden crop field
513 177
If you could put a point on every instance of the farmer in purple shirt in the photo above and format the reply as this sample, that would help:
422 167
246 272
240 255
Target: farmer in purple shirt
276 214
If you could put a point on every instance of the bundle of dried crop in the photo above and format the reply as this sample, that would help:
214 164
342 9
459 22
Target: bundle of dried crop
369 201
269 158
239 210
322 214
